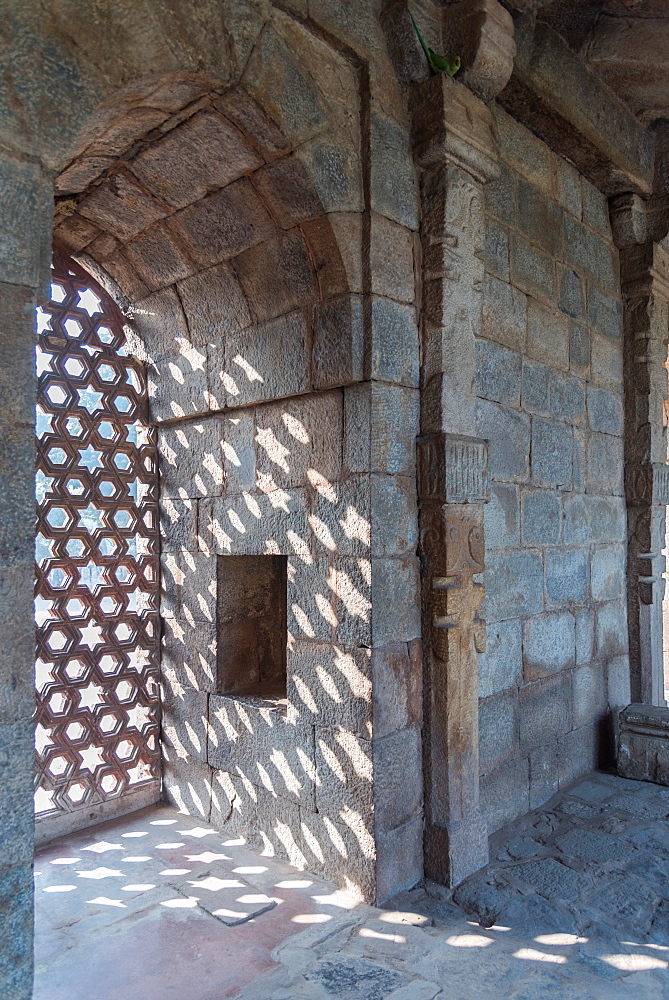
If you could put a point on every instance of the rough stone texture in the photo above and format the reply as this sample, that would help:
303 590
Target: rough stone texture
643 751
555 527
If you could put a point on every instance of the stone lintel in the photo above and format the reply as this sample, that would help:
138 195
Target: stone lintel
647 483
451 125
452 469
643 743
554 93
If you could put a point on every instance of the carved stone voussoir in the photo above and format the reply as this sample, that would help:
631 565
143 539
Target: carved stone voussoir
452 469
452 125
481 33
647 484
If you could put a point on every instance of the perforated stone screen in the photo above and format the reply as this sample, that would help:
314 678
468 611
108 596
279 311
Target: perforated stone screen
96 673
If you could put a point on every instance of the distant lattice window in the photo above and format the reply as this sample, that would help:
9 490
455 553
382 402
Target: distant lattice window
96 555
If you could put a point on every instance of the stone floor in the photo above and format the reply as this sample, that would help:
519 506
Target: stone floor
575 906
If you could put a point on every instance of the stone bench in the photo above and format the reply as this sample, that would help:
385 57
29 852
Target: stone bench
643 743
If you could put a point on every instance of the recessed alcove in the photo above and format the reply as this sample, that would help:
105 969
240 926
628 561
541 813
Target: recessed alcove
252 626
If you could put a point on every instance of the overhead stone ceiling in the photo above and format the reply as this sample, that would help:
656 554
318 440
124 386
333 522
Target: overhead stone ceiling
626 42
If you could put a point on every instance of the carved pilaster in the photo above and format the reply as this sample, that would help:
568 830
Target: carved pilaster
644 273
455 144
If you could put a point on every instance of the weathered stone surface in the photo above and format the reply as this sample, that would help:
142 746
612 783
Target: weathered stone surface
276 276
541 518
643 752
551 453
501 516
197 157
393 182
26 194
566 577
545 709
574 113
288 192
16 907
508 432
504 793
16 743
396 687
247 114
611 629
395 352
514 584
121 207
548 644
498 373
532 269
547 336
222 224
589 694
498 730
482 32
500 666
214 304
264 361
158 258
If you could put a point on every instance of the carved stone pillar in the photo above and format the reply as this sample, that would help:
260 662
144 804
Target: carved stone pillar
455 145
644 274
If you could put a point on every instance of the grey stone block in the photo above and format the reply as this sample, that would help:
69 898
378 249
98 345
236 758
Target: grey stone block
497 250
572 295
504 314
178 384
569 188
184 722
505 793
539 218
395 351
178 525
265 361
399 858
579 349
344 774
594 519
182 454
607 359
541 518
567 397
547 336
544 778
509 436
394 426
500 196
26 238
535 397
611 629
514 585
584 619
395 613
329 685
605 411
394 189
548 644
578 459
551 453
239 455
501 516
269 749
498 730
16 930
605 313
566 575
299 440
500 667
16 791
396 688
590 254
498 373
589 694
545 709
338 342
532 269
595 208
604 469
187 783
394 515
618 682
188 657
607 574
578 753
396 800
392 260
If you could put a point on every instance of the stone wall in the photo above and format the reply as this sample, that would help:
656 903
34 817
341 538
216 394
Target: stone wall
549 382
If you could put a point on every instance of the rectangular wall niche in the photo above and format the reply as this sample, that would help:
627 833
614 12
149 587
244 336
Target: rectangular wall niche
252 625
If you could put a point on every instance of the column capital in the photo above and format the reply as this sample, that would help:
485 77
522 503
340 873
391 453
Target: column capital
452 125
452 469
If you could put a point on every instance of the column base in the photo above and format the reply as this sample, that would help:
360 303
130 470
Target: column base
453 854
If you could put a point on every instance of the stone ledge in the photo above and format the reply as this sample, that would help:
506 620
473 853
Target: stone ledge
643 743
553 93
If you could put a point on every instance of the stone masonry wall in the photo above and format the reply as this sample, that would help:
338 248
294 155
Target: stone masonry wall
549 383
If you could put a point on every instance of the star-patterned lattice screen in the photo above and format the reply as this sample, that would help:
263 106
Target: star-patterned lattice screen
96 555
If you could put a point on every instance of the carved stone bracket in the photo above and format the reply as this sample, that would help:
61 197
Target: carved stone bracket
646 484
453 469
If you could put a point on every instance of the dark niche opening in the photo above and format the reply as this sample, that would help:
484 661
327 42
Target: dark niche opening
252 625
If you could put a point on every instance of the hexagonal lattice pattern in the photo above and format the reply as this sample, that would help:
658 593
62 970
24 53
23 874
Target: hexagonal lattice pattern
96 555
